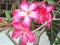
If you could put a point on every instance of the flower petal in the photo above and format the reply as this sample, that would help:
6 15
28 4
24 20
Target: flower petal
15 12
24 40
22 14
16 33
30 36
24 6
33 15
27 21
48 17
33 6
15 19
50 8
40 20
17 25
18 13
48 25
42 5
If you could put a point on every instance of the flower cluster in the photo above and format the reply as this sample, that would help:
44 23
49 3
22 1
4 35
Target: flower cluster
23 17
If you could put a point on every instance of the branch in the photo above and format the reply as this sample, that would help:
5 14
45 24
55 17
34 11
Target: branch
41 34
30 1
3 28
7 33
56 19
39 27
11 39
56 2
38 36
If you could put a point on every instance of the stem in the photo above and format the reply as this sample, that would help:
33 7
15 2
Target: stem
56 19
7 33
42 31
56 2
41 34
31 1
38 36
1 12
3 28
53 15
44 25
11 39
39 27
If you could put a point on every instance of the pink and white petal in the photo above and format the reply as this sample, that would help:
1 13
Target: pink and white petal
24 40
27 21
30 36
16 33
33 6
15 12
50 8
24 6
18 13
15 19
33 15
22 14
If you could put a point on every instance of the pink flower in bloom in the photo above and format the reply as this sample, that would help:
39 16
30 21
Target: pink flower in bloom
44 13
21 30
27 12
41 15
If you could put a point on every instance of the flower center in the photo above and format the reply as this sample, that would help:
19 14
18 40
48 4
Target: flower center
24 30
41 15
28 12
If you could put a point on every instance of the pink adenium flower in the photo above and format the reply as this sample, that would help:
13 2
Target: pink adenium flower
44 13
21 30
27 12
41 15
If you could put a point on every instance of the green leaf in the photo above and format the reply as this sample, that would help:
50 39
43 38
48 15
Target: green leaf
12 6
57 41
32 26
1 25
50 1
52 32
8 15
1 31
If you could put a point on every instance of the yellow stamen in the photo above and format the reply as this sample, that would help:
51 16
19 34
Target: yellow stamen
28 12
24 30
41 15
